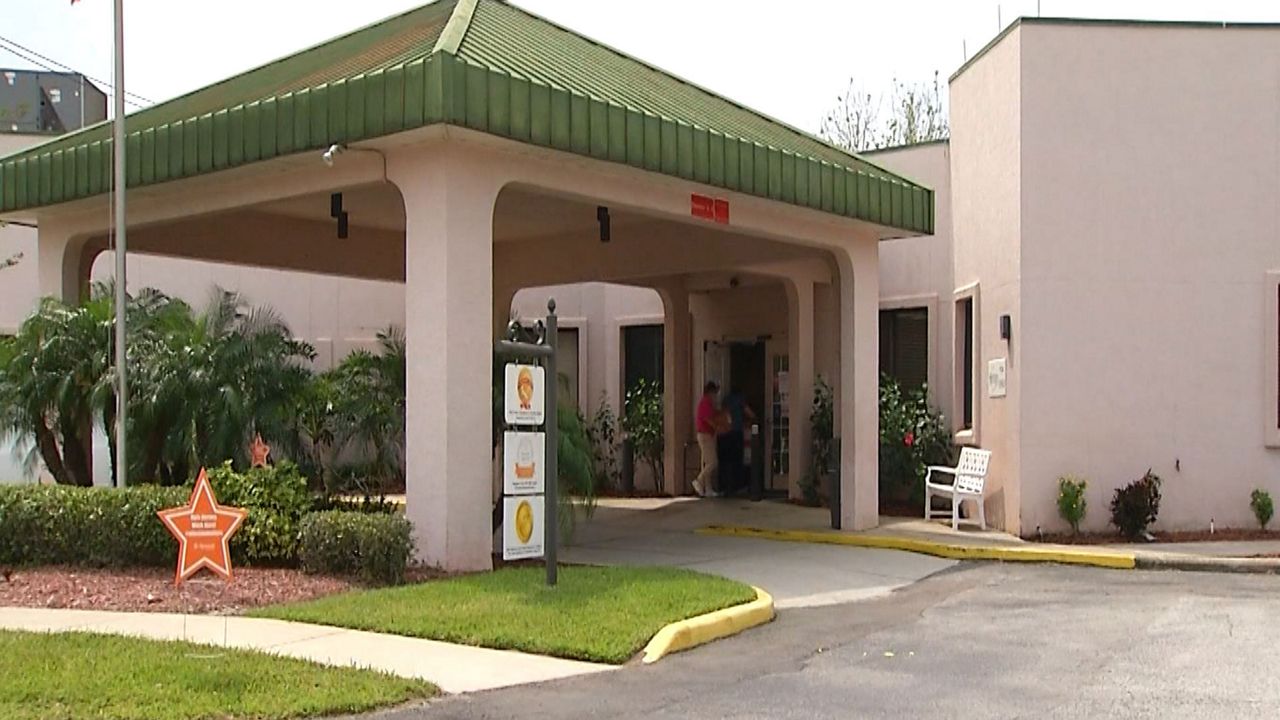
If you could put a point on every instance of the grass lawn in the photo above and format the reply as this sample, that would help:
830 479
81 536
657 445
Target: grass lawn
603 614
79 675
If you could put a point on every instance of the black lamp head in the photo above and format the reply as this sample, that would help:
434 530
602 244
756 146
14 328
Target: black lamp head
602 216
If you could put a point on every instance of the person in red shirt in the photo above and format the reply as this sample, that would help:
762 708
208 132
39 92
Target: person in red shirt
705 419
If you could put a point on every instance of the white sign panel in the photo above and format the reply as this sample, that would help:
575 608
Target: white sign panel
522 531
525 393
523 458
996 377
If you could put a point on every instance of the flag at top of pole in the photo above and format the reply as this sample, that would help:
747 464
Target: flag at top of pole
118 188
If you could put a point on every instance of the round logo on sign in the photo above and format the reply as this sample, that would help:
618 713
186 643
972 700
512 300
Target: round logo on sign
524 388
524 521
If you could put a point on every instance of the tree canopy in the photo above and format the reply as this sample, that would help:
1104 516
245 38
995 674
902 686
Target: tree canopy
910 113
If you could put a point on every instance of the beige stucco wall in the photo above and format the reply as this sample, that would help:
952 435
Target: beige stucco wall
335 314
19 284
1150 170
918 272
986 188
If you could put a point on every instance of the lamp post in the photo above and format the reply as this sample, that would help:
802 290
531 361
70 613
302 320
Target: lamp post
118 143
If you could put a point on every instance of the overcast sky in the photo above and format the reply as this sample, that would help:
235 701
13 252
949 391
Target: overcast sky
745 50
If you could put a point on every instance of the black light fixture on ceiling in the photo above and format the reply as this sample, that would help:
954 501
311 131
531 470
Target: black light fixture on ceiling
602 215
337 213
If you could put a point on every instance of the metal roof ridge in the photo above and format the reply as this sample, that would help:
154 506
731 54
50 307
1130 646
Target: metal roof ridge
456 29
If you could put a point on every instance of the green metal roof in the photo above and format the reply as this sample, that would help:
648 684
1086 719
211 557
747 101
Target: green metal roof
480 64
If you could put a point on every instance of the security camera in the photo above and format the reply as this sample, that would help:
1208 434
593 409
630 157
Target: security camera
333 151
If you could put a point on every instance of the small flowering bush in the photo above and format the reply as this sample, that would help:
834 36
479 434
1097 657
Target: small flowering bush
913 435
1136 505
1072 504
1263 508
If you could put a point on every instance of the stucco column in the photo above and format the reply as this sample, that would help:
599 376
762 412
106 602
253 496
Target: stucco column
64 263
503 294
677 420
801 352
449 206
858 402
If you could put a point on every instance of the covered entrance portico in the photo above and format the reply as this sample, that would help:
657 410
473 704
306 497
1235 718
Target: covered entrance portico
477 181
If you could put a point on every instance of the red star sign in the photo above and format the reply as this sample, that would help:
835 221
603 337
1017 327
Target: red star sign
203 528
258 452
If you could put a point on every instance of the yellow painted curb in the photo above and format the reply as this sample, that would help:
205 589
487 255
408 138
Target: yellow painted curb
703 629
1116 559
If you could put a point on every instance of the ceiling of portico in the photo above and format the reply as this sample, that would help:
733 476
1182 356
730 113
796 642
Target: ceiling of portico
539 239
519 214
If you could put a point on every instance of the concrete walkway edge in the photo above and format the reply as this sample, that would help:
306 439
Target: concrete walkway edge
1156 560
1065 554
453 668
711 626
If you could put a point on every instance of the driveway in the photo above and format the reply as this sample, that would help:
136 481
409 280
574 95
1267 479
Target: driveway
981 641
661 532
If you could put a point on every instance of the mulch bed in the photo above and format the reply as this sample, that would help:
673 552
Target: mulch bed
1219 535
152 589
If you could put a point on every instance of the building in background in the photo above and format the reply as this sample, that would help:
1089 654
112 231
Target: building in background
38 102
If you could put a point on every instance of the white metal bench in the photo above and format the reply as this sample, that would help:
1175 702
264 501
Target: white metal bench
970 476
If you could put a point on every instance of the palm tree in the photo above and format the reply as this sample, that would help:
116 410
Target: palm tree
209 382
54 380
369 407
202 384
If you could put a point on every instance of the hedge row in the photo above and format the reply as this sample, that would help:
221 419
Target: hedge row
60 525
48 525
373 547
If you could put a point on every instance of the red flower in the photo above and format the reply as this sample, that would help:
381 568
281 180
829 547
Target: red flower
909 439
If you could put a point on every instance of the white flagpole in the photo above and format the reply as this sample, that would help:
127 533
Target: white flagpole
118 142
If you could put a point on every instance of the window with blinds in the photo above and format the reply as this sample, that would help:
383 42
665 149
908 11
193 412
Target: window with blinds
904 346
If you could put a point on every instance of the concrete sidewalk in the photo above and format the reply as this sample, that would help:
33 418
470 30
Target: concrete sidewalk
664 531
760 522
1211 548
453 668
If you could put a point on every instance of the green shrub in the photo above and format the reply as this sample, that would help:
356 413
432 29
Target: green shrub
276 498
642 421
1263 509
373 547
1136 505
913 435
822 437
44 525
48 525
1071 500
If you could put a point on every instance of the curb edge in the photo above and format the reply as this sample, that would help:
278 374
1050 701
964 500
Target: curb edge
1112 559
702 629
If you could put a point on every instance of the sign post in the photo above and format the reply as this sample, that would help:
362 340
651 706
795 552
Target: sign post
529 463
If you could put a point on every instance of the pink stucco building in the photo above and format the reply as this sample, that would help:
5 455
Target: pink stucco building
1111 188
1100 294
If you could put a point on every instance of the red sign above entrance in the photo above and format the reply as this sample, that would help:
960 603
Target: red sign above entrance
709 208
